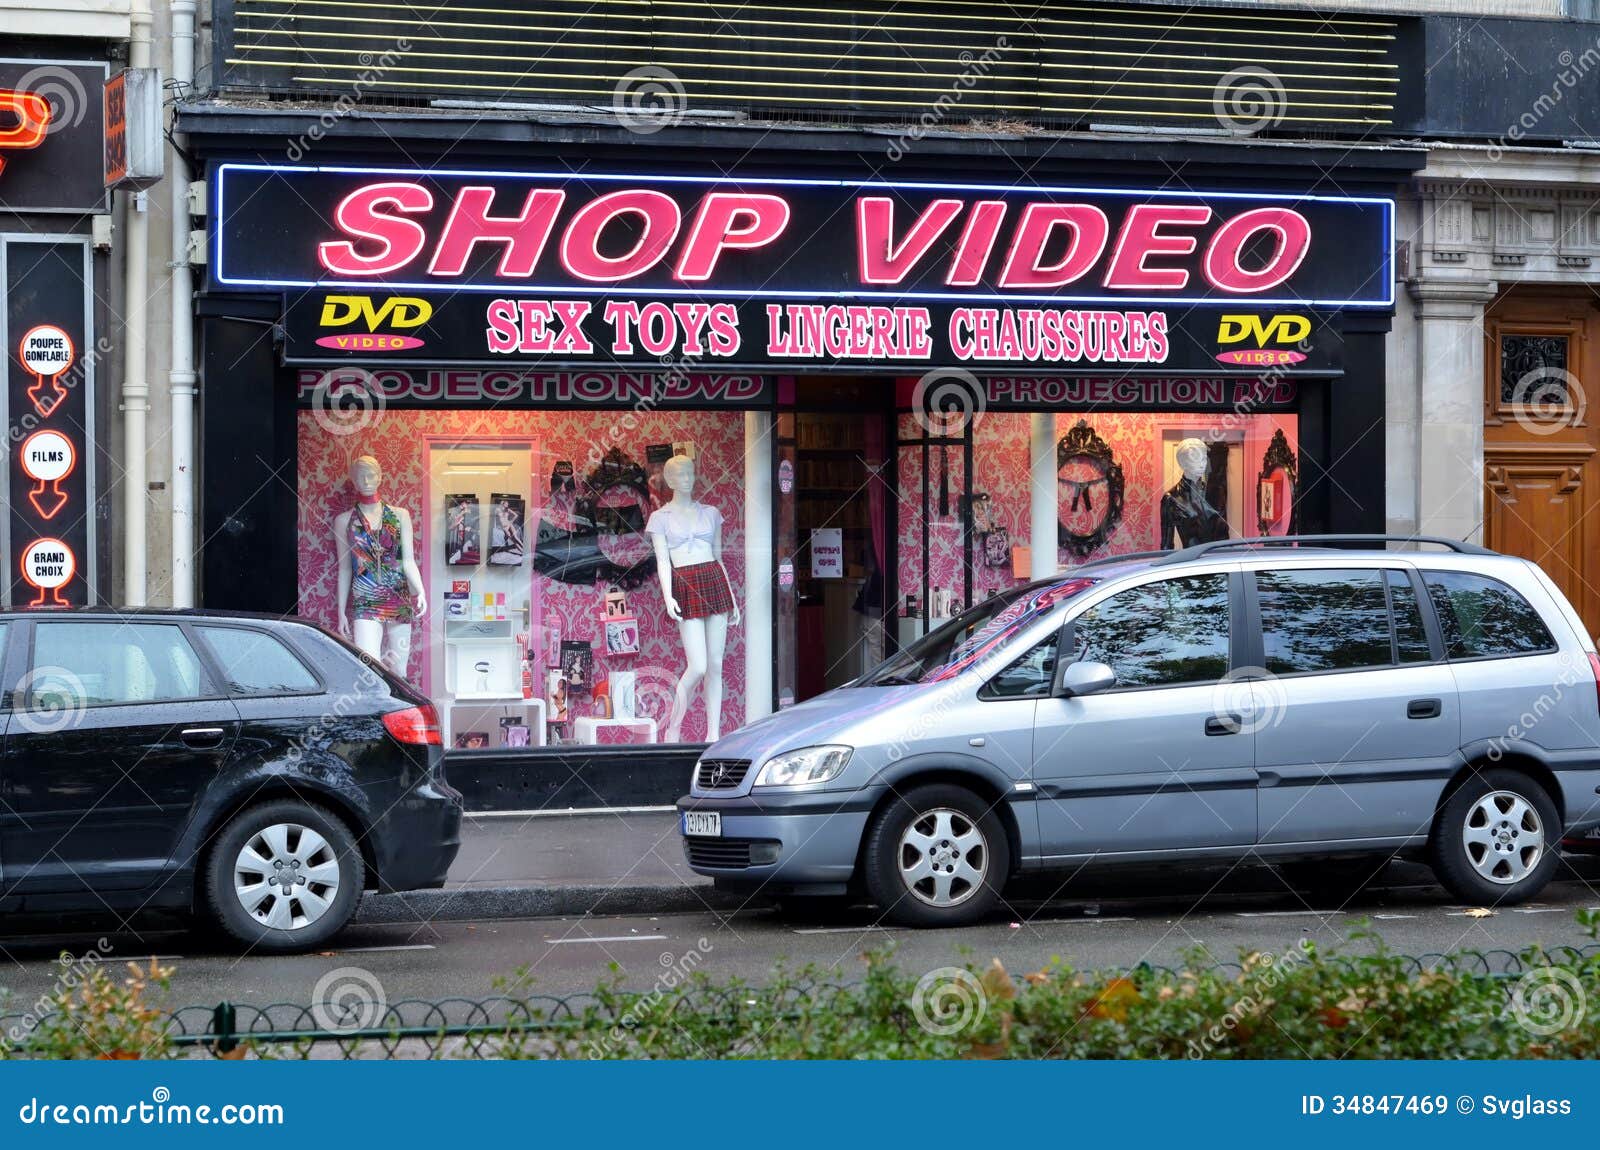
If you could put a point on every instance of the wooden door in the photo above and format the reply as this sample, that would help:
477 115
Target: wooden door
1542 359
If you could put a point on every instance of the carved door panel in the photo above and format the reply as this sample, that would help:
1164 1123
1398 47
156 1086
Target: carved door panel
1540 440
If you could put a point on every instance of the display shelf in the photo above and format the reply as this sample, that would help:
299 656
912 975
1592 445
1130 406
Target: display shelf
461 716
586 728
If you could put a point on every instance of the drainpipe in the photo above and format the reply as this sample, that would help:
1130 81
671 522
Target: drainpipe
181 378
135 385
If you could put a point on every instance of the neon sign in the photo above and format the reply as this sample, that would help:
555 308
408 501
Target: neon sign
24 121
530 234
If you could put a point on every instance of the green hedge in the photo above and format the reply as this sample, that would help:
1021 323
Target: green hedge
1305 1004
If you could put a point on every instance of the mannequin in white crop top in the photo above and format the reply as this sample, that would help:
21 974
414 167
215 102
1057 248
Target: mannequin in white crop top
688 534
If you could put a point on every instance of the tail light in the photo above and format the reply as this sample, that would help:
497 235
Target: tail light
414 726
1594 665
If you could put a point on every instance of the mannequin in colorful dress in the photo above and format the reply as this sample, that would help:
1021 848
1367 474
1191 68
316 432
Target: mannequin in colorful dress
694 583
380 588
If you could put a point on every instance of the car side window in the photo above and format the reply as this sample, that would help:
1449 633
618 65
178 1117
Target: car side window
255 663
1029 676
1160 634
1410 636
1483 618
1334 619
79 665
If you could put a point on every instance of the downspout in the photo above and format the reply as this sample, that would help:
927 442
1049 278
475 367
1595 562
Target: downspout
135 384
181 378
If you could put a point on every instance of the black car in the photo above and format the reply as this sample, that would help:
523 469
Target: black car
258 771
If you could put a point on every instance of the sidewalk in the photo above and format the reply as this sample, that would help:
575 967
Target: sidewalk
590 862
590 848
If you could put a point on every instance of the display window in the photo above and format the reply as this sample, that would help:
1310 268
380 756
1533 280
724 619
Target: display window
549 578
1126 482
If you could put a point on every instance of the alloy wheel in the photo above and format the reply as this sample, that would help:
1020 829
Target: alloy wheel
286 876
943 857
1504 837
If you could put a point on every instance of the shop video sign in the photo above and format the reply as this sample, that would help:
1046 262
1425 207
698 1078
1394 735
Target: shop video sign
480 266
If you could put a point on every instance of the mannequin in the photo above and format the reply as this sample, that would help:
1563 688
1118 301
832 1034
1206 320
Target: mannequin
380 588
694 584
1185 508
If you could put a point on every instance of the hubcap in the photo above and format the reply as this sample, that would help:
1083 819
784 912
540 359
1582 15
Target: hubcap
1504 837
943 857
286 876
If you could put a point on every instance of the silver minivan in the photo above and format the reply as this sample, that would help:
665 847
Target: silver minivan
1289 700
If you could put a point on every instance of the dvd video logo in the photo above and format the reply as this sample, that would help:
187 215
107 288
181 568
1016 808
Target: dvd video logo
1273 339
396 314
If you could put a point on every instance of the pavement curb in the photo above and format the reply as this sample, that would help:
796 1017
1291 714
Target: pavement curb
547 902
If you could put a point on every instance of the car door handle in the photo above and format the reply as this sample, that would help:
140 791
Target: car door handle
201 737
1423 709
1224 724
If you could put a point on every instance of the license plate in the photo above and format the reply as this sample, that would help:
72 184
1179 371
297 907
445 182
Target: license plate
703 824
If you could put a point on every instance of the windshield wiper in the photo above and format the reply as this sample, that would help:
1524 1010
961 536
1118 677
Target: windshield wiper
894 681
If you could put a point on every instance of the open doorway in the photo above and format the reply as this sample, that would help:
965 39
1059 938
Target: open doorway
835 495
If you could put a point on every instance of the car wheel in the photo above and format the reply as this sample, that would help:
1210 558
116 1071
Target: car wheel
1497 839
284 876
936 856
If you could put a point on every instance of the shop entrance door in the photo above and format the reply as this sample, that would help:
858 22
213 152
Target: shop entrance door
835 496
1541 437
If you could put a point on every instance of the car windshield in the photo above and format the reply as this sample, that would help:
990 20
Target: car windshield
956 646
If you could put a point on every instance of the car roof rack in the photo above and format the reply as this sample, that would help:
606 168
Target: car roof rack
1200 550
1107 560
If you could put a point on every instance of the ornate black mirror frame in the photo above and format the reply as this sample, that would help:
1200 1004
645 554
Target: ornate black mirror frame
1279 457
1081 443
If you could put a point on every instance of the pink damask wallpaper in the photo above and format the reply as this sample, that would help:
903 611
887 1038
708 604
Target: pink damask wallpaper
1000 469
397 439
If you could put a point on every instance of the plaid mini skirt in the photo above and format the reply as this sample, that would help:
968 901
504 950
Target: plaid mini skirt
701 589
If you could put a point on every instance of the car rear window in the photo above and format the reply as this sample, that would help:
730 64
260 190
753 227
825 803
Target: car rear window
1483 618
255 663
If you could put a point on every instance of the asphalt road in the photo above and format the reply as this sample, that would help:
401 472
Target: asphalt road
1114 922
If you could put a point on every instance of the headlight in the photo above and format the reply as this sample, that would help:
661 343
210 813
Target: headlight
807 765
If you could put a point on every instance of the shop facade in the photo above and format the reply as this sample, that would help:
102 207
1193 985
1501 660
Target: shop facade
55 323
888 392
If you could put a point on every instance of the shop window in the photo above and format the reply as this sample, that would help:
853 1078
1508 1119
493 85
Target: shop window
517 566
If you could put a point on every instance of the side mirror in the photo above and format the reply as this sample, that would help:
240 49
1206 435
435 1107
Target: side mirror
1085 678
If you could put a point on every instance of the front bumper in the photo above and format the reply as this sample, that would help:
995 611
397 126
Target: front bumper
417 839
814 837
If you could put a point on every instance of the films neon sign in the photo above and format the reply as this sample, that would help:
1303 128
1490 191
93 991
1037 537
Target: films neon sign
814 240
